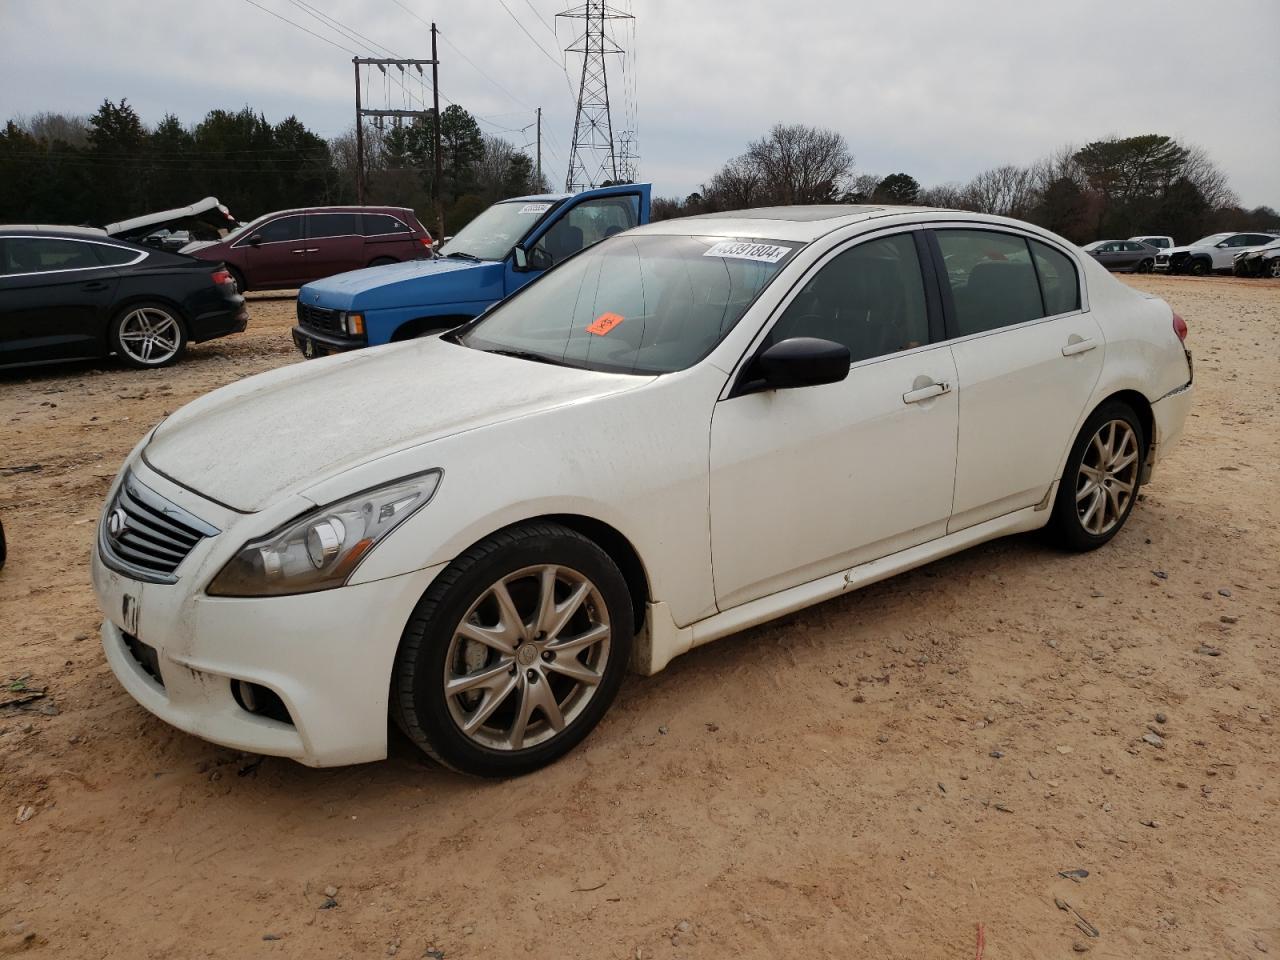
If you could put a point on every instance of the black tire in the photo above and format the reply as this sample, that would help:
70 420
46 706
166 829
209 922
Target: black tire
382 261
4 550
1199 267
1145 266
1273 268
418 702
1065 527
130 356
238 277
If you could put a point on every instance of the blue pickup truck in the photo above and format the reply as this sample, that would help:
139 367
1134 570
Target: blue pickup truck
494 255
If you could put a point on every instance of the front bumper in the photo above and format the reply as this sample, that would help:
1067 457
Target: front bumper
194 660
314 343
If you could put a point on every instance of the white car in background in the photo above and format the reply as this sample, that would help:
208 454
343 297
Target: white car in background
687 429
1163 243
1218 251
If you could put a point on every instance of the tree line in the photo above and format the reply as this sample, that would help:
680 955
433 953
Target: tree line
59 168
110 166
1115 187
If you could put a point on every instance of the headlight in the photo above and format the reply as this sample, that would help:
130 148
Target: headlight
322 549
353 324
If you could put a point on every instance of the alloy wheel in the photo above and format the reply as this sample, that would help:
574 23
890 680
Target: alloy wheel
1108 477
1274 269
527 657
149 335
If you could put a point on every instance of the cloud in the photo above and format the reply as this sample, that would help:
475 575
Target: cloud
937 89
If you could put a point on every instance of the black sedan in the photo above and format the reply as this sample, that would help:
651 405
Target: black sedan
70 293
1123 255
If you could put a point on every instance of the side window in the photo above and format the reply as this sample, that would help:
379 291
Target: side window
993 283
870 298
1258 239
1059 281
46 254
585 224
1133 247
110 256
321 225
380 224
286 228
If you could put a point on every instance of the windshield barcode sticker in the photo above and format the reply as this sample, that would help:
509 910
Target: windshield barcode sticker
740 250
535 208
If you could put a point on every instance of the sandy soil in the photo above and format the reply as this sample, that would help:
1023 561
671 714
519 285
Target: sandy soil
881 776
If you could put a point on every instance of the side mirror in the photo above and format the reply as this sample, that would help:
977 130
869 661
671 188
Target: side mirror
255 239
520 259
797 362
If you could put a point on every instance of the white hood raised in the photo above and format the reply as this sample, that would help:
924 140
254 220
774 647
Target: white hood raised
247 444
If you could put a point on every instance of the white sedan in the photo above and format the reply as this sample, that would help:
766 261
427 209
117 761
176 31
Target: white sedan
688 429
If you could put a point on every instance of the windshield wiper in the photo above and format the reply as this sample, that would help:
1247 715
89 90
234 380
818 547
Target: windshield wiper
463 256
527 355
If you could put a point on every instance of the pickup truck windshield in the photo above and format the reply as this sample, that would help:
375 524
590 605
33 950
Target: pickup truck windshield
491 235
634 304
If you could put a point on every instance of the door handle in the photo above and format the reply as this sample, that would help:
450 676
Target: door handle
94 285
926 392
313 249
297 251
1077 344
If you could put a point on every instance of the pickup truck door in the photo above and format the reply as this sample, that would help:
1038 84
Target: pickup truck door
583 220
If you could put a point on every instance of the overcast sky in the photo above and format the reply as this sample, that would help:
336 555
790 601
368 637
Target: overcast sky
935 88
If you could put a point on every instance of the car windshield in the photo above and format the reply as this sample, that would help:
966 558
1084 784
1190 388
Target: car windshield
643 304
491 235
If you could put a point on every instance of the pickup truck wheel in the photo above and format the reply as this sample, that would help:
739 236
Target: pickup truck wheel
515 652
1198 267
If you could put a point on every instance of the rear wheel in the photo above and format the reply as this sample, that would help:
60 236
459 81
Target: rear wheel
1101 481
238 277
1145 266
148 335
515 652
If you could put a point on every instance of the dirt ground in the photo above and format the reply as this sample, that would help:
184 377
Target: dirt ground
897 773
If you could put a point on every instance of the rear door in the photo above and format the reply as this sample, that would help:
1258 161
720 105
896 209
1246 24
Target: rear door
1027 359
55 299
334 244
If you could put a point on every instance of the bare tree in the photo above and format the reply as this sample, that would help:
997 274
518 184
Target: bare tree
1208 179
948 195
793 163
1008 191
862 187
51 127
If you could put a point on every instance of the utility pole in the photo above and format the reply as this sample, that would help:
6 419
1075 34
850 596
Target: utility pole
592 158
439 173
539 148
359 138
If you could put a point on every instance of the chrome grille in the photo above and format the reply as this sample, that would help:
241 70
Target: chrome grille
145 536
319 318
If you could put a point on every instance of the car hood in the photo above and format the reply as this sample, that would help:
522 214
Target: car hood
250 443
1183 249
412 283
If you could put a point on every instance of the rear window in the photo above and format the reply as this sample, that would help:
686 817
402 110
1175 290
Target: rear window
380 224
114 256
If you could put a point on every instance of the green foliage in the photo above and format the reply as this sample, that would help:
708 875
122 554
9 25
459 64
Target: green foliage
900 188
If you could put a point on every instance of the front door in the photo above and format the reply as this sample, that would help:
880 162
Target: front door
1027 360
55 295
811 481
576 226
276 254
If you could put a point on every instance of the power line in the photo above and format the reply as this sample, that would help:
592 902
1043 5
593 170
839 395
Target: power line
292 23
349 32
526 32
454 48
541 18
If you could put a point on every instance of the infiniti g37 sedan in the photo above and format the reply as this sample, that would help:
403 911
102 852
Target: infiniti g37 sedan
684 430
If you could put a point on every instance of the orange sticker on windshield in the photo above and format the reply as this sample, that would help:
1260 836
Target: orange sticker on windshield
604 323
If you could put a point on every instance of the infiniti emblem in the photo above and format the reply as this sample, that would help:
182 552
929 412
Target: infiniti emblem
117 523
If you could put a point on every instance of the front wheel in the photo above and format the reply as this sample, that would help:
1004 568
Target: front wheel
1273 268
515 652
148 335
1100 483
1198 268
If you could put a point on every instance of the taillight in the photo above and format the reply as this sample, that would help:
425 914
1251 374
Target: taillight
425 241
1180 327
220 277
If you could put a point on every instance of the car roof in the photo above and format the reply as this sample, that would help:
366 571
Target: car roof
53 230
347 208
799 223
